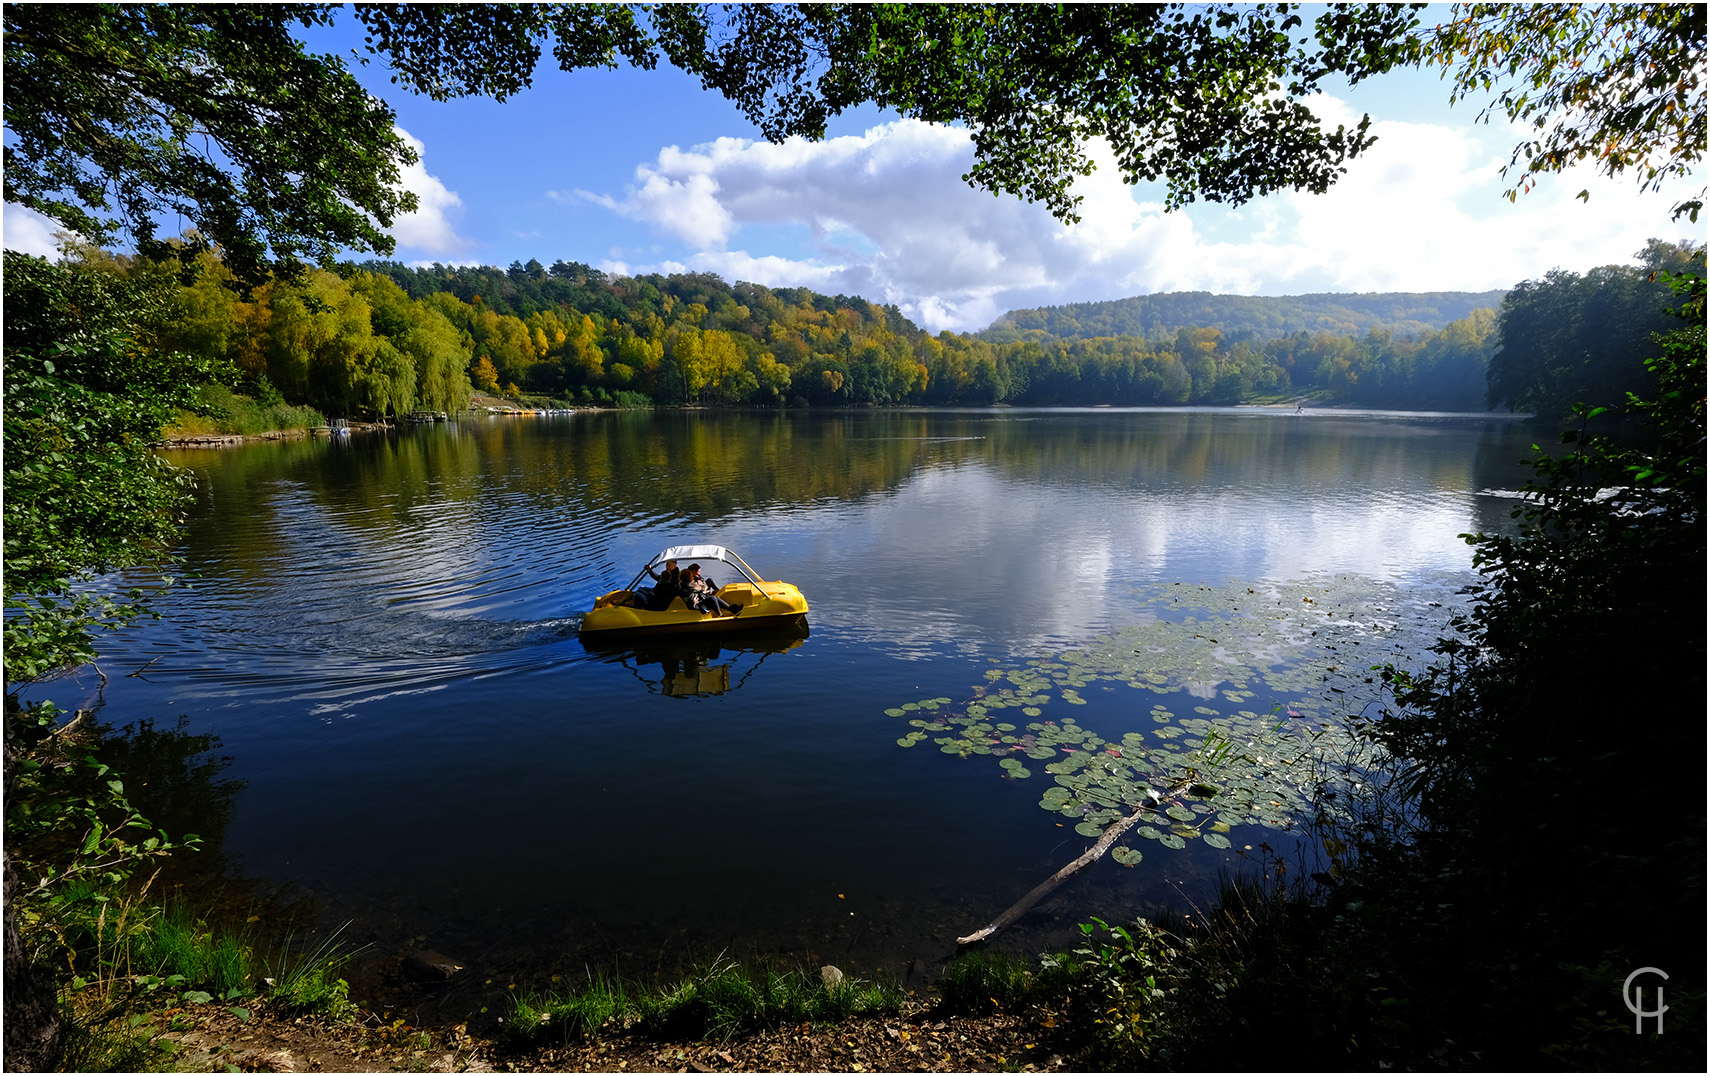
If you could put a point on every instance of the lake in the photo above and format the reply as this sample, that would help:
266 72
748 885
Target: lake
381 633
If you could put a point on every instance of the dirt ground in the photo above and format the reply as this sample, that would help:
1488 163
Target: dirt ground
216 1039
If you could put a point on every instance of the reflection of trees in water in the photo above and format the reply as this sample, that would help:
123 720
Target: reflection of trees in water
174 778
699 466
177 780
1253 450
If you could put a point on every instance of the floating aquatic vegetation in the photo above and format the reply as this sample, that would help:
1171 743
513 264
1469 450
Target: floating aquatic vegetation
1274 671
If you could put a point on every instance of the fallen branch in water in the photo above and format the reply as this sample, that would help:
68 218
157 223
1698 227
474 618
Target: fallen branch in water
1112 833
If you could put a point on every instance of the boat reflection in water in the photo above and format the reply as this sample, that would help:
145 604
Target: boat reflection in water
696 666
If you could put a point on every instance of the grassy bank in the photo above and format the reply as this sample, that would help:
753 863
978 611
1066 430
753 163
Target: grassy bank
147 974
223 411
719 1001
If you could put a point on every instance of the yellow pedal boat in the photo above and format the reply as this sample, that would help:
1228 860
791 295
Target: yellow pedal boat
762 604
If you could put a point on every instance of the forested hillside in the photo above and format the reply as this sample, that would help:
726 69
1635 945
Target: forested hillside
1241 317
694 337
384 338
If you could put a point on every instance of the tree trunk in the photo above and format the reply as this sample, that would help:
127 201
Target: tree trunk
1037 893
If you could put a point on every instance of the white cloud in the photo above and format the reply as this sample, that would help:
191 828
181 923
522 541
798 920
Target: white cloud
24 230
427 229
886 215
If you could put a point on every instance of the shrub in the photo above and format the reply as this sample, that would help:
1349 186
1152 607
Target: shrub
234 413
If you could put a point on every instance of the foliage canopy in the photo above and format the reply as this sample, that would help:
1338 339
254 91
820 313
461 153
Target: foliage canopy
1621 85
86 395
1575 338
1208 98
119 115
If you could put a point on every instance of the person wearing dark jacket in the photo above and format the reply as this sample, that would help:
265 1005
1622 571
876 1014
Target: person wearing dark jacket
667 585
702 593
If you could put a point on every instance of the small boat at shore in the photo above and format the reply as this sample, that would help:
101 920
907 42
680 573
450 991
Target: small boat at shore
759 603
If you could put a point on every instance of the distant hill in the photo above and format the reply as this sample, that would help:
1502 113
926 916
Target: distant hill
1239 317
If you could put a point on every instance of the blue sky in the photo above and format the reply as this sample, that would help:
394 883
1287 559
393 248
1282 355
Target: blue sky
636 171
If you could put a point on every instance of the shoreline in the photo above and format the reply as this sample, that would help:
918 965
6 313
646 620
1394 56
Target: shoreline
228 440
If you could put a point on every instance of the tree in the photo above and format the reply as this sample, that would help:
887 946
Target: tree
441 359
118 115
1208 98
1548 904
320 345
215 114
1618 84
1581 338
484 375
85 398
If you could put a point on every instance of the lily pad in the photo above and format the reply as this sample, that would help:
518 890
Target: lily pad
1225 646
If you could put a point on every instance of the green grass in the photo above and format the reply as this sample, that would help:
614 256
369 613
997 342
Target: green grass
116 1046
175 944
719 1001
979 981
570 1015
306 980
230 412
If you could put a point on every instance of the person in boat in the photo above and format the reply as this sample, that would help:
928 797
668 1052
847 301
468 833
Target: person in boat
701 593
666 586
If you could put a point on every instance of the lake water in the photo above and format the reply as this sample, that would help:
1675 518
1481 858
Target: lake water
382 635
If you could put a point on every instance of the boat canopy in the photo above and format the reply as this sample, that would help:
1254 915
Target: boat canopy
685 553
691 552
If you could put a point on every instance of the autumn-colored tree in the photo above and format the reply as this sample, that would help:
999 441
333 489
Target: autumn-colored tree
583 358
772 376
484 375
